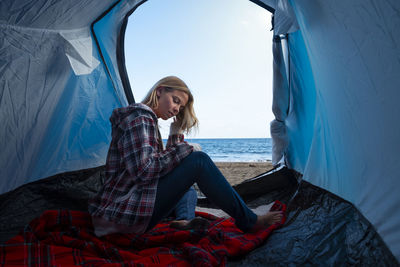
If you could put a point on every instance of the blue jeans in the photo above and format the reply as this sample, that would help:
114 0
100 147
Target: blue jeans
199 168
185 209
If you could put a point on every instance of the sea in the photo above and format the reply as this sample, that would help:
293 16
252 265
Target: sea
236 149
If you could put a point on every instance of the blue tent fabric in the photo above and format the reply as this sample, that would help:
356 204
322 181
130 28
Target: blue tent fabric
62 74
56 97
302 107
106 31
353 54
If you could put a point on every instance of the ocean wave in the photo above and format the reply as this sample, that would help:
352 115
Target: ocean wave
237 150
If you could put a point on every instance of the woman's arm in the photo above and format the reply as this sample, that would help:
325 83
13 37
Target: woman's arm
175 134
139 149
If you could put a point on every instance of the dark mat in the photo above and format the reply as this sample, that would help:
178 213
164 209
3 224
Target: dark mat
321 228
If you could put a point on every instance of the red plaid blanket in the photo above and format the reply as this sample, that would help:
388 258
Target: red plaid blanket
66 238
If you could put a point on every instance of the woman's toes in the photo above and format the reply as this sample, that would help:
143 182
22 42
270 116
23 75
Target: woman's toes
179 224
272 217
197 223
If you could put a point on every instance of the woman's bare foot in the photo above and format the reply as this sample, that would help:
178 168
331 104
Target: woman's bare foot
179 224
197 223
263 221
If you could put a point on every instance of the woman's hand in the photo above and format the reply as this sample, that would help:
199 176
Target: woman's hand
175 127
196 147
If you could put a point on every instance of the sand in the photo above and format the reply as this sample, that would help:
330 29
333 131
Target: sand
237 172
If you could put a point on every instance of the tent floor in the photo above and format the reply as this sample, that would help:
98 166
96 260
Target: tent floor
321 228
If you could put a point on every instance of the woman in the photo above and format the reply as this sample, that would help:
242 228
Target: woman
144 181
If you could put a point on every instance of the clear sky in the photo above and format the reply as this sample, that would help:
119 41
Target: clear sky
222 49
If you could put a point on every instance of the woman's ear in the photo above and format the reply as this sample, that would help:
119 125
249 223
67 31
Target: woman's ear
158 91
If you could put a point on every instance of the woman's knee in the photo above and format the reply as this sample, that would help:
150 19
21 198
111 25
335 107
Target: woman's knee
196 162
200 155
192 192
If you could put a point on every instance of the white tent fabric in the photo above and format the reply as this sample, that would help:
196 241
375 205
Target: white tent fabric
62 74
284 17
284 22
280 103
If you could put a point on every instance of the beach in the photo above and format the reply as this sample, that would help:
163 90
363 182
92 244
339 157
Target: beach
237 172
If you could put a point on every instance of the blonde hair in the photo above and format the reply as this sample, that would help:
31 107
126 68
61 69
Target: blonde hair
187 117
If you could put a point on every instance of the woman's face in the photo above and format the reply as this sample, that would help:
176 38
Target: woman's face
170 103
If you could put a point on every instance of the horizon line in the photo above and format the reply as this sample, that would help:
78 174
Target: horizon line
224 138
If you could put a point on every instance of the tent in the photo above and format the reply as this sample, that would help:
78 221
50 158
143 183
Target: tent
336 66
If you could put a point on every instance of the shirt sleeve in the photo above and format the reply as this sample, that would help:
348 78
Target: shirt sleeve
174 139
140 154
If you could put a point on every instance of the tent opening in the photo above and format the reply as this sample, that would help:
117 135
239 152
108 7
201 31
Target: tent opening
226 60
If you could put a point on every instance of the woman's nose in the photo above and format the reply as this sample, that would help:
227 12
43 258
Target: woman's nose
176 110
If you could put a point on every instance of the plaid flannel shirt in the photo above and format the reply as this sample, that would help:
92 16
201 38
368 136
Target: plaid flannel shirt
135 161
